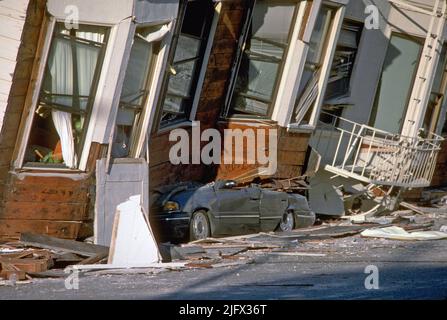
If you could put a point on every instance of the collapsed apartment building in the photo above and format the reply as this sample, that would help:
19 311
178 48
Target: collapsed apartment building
86 112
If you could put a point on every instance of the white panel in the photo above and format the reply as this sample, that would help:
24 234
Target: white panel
6 69
12 19
127 177
5 86
113 72
147 11
11 28
9 48
133 243
12 13
19 6
98 11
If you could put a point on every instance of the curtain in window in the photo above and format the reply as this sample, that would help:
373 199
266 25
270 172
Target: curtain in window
62 123
70 72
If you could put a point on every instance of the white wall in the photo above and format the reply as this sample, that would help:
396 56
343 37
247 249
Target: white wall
12 20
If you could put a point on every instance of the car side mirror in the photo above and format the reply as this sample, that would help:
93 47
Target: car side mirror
229 185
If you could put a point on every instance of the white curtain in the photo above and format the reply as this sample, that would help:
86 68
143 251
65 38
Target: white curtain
60 83
62 123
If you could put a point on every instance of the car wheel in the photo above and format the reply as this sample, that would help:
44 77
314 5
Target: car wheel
287 222
200 226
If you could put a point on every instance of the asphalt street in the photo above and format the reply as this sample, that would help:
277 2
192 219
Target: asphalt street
406 270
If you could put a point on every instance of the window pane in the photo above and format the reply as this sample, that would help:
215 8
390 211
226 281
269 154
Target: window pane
272 21
401 62
319 34
343 62
180 83
173 105
195 16
258 79
133 94
187 48
60 79
309 90
59 124
250 106
260 65
186 62
134 86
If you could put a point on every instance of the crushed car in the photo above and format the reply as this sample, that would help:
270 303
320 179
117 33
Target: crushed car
192 211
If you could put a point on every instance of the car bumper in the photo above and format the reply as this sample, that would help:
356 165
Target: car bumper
173 225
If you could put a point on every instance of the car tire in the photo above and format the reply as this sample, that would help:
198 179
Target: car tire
200 227
287 222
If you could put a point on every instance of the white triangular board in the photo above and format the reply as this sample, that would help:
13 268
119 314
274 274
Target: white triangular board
133 243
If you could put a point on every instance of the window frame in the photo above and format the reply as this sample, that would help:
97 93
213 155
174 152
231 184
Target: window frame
139 127
245 30
198 73
47 36
326 64
361 25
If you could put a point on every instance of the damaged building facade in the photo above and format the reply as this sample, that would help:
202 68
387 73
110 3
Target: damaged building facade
87 112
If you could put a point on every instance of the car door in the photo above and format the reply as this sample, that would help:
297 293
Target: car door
238 210
273 204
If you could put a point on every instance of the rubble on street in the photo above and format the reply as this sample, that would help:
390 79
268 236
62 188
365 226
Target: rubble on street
38 256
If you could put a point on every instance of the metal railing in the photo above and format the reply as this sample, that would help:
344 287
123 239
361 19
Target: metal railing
350 149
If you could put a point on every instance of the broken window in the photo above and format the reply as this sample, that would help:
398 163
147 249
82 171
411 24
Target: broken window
262 57
135 90
309 86
189 44
344 58
67 93
339 81
396 83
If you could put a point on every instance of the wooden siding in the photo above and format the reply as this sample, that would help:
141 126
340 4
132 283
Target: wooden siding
56 206
12 21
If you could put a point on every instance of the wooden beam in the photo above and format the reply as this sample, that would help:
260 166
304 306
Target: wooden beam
46 242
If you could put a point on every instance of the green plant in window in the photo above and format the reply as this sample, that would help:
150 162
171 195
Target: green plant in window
49 158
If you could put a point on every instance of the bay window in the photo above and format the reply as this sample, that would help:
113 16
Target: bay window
62 114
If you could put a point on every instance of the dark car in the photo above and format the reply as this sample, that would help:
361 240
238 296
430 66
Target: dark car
222 208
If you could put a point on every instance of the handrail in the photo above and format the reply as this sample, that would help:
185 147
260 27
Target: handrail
375 156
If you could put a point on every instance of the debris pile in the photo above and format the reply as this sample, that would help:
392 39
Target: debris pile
37 256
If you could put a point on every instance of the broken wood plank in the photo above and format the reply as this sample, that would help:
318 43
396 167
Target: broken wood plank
412 207
300 254
87 267
94 259
51 243
206 265
27 265
52 273
233 263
